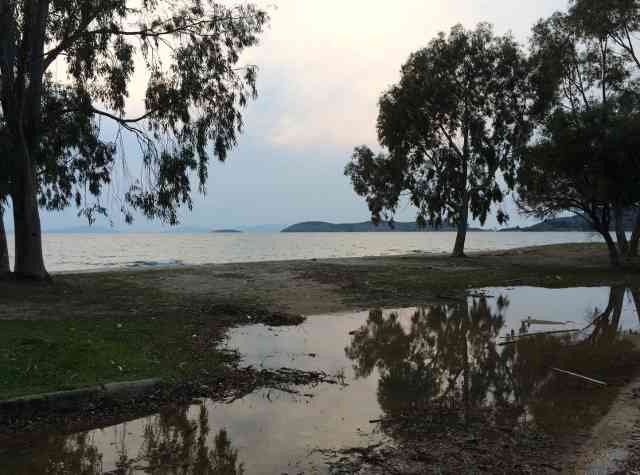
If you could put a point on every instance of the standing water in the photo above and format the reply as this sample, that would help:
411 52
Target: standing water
487 358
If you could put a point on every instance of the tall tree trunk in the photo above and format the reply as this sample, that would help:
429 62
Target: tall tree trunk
635 237
461 234
621 235
614 256
29 261
5 268
25 122
463 213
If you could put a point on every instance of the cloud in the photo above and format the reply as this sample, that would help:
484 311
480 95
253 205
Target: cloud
323 64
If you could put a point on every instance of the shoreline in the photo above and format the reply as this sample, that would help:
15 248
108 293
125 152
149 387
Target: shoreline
134 316
201 250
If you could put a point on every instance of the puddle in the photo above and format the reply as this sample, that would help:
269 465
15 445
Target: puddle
447 366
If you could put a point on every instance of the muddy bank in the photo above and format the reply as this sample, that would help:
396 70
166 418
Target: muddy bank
613 445
307 287
168 314
426 389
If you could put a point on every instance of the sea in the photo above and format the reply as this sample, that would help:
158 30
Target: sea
95 252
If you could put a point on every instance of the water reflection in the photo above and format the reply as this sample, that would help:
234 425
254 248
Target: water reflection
473 377
173 442
456 363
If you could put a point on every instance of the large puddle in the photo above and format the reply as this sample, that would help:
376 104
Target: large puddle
489 356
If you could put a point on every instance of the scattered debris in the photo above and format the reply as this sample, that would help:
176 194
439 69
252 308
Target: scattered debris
255 314
591 380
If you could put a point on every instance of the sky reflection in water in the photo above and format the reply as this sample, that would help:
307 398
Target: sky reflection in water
445 363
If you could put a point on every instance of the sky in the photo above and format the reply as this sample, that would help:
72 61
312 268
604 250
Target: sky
322 66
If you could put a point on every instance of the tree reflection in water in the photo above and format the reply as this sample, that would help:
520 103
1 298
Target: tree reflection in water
447 365
446 358
173 444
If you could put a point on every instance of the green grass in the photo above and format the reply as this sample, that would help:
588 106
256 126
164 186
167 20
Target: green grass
417 279
87 329
83 330
41 356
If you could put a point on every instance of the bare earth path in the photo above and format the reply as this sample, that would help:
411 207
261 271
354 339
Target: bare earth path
218 296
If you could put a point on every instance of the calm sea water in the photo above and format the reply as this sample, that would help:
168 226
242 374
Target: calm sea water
82 252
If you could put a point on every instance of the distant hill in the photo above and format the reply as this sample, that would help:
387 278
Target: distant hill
572 223
226 231
262 228
365 227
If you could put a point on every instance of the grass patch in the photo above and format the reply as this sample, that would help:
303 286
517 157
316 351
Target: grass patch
418 279
41 356
85 329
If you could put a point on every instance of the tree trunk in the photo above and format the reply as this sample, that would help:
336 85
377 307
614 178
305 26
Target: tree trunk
5 268
621 235
635 237
461 234
29 261
614 256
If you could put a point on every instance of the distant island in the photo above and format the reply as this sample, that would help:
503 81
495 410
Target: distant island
226 231
364 227
568 224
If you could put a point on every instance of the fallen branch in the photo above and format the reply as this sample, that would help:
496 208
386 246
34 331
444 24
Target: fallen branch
591 380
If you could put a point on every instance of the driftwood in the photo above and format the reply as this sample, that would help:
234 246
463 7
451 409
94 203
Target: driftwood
576 375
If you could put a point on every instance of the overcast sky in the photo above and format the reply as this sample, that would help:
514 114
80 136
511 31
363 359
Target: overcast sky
322 66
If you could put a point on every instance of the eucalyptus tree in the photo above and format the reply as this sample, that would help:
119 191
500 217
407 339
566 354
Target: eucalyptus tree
585 163
584 158
73 163
453 128
616 21
186 52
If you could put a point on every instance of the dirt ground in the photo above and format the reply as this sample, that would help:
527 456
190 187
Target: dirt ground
311 286
330 285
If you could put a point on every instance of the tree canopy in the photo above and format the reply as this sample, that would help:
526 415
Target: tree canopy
188 53
584 156
453 128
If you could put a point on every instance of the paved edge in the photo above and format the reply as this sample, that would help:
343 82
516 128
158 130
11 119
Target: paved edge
63 401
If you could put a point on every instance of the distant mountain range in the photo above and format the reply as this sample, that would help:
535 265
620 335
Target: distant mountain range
572 223
364 227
